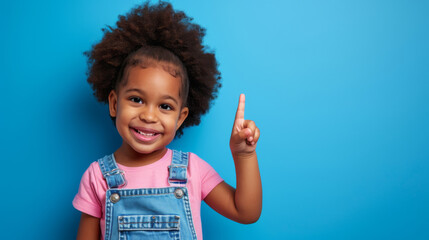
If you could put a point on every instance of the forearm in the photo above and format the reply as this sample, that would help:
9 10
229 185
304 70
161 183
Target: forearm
243 204
89 228
248 193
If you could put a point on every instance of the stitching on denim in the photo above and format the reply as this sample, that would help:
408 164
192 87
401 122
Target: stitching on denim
179 160
114 172
122 223
113 175
149 229
161 190
189 215
101 164
178 166
108 219
148 194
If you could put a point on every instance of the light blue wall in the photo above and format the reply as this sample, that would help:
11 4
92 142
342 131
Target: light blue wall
339 89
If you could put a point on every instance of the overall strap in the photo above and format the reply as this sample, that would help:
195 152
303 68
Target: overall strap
113 175
178 167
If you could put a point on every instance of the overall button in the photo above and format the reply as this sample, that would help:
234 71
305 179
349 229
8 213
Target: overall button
114 198
179 193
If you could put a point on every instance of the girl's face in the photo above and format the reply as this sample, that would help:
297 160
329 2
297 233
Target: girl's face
148 110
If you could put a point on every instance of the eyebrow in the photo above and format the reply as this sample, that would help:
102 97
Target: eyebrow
142 93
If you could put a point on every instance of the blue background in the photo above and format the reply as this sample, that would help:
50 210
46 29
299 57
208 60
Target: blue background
339 90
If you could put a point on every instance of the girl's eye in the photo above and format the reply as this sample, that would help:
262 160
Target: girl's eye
165 107
136 99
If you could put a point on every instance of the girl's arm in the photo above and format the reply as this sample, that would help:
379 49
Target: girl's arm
243 204
89 228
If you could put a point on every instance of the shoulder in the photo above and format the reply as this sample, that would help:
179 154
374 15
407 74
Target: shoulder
194 157
93 176
94 170
207 175
200 166
195 160
91 193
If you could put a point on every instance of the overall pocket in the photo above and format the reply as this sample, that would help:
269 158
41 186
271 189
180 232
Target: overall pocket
133 227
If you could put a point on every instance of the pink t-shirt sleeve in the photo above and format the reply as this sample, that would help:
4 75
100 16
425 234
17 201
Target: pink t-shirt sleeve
86 199
209 177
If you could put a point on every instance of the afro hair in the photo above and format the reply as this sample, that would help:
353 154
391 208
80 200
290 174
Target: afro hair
156 25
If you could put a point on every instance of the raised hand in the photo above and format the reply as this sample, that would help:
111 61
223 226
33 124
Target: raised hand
244 134
243 204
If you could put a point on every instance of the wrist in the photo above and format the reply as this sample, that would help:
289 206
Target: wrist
244 156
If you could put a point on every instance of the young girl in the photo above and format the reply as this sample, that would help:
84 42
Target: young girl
158 78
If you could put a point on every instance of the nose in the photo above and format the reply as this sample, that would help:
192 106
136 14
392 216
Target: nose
148 114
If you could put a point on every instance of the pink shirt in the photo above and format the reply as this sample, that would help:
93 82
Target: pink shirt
202 178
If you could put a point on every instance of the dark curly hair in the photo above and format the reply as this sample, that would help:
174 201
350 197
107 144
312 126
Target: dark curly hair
160 34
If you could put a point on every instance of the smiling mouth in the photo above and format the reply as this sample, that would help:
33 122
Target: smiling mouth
146 136
144 133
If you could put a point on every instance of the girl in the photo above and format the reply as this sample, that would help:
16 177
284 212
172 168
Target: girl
158 78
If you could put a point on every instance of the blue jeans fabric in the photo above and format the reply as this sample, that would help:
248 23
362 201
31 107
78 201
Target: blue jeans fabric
148 213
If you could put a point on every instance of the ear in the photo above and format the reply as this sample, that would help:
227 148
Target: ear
113 103
183 115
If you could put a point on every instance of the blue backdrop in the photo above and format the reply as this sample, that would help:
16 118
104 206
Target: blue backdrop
339 90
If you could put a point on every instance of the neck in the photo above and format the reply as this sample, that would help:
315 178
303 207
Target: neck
128 157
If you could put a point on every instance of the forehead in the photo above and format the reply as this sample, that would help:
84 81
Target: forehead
152 79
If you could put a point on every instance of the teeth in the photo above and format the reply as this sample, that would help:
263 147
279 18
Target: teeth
145 134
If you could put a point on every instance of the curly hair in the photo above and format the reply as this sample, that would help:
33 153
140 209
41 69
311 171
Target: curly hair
153 28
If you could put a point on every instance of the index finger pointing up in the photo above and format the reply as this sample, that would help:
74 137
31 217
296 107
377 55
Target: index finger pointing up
240 109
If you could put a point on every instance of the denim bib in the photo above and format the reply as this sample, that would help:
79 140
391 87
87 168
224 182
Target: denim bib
148 213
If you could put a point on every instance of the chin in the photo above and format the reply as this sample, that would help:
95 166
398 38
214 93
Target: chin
148 150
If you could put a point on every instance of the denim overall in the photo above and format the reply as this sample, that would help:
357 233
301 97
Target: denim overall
148 213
